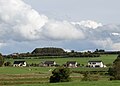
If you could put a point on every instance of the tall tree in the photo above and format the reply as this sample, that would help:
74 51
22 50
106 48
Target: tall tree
1 60
60 75
115 70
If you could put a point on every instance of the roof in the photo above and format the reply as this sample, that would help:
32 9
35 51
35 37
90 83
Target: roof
49 62
18 62
71 62
94 61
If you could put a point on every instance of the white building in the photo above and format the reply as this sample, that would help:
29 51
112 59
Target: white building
19 64
71 64
49 63
96 64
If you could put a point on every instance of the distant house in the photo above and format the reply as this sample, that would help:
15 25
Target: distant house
19 64
96 64
71 64
49 63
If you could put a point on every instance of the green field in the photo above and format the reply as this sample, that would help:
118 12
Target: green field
86 83
107 59
39 76
26 70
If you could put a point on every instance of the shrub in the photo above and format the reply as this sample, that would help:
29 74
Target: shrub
86 77
7 64
60 74
90 77
109 65
115 70
1 60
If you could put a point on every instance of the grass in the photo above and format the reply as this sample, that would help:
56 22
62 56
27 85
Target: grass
107 59
25 70
13 70
41 70
35 79
39 76
80 83
89 69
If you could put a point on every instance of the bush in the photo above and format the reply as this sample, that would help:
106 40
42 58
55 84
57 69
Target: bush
60 74
1 60
108 65
115 70
86 77
90 77
7 64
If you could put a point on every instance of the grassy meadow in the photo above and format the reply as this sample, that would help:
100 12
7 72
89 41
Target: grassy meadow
79 83
107 59
39 76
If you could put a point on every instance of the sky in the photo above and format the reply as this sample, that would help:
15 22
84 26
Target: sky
104 11
70 24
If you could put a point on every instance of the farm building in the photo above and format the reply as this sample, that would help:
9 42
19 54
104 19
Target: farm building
96 64
71 64
49 63
19 64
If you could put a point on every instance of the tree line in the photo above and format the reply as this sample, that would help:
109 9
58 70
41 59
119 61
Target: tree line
52 52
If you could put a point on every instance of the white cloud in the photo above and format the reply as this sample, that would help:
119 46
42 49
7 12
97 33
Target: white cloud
23 23
88 24
62 31
67 50
106 43
19 22
116 34
2 44
116 46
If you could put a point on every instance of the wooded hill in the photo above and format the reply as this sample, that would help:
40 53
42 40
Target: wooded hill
49 51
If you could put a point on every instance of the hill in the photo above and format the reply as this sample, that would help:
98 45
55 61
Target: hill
50 51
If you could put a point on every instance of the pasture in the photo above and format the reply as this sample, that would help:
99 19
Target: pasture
79 83
107 59
39 76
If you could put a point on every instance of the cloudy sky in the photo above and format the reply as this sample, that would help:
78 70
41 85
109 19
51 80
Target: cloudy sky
69 24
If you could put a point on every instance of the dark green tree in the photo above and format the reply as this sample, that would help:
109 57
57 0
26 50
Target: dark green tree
60 74
7 64
115 70
1 60
87 76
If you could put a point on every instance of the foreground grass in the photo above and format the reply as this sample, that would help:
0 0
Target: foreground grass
36 76
80 83
43 80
